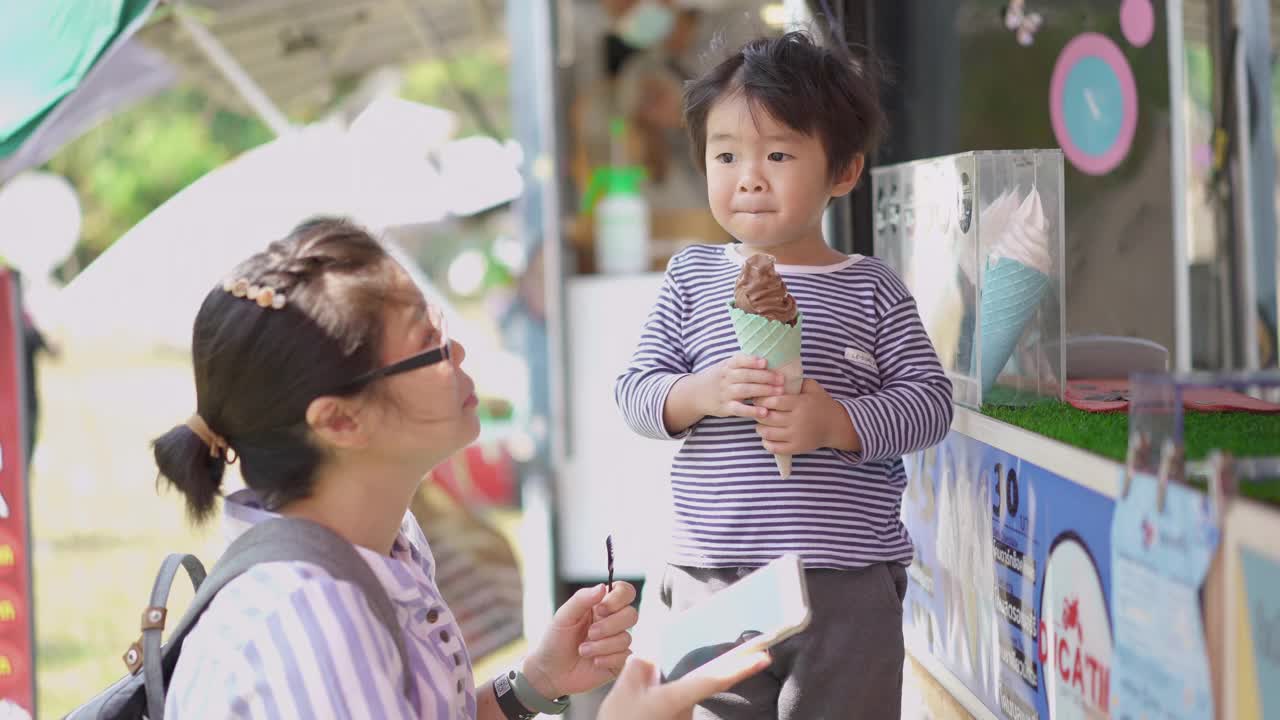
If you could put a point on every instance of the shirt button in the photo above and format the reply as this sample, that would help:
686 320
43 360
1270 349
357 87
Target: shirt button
432 616
457 659
459 686
444 636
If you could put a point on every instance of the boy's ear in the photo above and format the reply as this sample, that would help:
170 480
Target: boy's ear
847 180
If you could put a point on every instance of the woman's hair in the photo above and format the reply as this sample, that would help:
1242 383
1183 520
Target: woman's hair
818 91
257 368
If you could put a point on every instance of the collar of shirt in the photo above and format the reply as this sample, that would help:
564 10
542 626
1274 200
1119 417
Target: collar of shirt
242 510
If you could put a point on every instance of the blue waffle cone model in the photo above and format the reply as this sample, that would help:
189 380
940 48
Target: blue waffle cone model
1011 294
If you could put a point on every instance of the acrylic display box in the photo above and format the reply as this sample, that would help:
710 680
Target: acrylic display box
978 239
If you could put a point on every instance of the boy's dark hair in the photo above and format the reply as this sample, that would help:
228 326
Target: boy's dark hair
818 91
257 369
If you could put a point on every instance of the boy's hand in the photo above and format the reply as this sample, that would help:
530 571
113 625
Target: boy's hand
812 419
726 387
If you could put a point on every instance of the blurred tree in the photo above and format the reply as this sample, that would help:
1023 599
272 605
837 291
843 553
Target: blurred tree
482 72
135 161
129 165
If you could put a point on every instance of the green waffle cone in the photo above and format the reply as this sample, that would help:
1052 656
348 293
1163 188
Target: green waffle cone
776 342
779 344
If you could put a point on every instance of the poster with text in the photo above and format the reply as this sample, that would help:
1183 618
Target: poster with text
17 668
1257 680
1010 585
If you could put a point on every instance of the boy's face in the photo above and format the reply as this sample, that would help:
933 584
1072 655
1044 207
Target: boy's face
767 184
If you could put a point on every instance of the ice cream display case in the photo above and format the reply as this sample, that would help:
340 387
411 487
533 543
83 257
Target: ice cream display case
1036 542
978 238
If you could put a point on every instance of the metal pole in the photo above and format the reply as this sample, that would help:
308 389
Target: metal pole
1260 265
1178 158
1242 306
531 29
555 264
249 90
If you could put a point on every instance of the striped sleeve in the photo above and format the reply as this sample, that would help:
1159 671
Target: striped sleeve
912 410
321 653
658 363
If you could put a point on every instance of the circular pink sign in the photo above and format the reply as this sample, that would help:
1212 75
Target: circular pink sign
1137 21
1093 103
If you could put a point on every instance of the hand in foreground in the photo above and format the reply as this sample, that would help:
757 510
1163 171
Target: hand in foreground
587 643
640 695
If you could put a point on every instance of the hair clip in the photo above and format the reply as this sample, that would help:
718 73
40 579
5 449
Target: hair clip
268 297
239 288
264 296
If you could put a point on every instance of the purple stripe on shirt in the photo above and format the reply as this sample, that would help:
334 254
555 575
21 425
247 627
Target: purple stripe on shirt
319 649
436 695
368 627
297 688
254 658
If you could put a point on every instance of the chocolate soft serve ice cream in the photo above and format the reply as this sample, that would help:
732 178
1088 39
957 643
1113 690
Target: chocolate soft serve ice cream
760 291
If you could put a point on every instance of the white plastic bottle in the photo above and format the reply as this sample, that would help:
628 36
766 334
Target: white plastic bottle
621 221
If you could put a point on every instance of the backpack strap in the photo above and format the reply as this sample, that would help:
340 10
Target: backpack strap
153 618
274 540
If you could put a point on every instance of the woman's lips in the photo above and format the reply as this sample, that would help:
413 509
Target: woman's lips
471 401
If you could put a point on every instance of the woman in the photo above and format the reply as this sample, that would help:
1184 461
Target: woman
323 370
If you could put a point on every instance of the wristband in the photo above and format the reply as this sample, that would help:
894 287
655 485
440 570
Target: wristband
533 699
511 707
519 701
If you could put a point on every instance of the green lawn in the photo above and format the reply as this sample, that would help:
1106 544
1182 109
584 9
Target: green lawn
100 528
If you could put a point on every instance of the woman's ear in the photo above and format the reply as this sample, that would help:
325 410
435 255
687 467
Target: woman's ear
337 422
847 180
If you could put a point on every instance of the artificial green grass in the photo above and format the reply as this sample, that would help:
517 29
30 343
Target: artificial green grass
1107 434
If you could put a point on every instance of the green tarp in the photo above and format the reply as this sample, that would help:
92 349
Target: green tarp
46 49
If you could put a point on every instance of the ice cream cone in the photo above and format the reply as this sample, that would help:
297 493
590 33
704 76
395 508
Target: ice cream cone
1011 294
793 372
779 344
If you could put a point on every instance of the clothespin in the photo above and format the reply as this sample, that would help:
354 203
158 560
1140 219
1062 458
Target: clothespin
1172 467
1139 459
1223 483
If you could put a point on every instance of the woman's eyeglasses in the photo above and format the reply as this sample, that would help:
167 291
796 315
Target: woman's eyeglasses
437 353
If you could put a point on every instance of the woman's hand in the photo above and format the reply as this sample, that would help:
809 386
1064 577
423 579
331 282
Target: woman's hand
587 644
640 695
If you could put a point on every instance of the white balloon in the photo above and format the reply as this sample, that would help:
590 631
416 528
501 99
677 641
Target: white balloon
39 221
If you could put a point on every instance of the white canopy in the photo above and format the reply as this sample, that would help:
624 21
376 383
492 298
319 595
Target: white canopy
145 290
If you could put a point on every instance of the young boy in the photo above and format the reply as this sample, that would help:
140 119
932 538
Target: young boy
781 128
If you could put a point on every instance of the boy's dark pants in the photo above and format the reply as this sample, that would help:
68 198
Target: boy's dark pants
847 664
